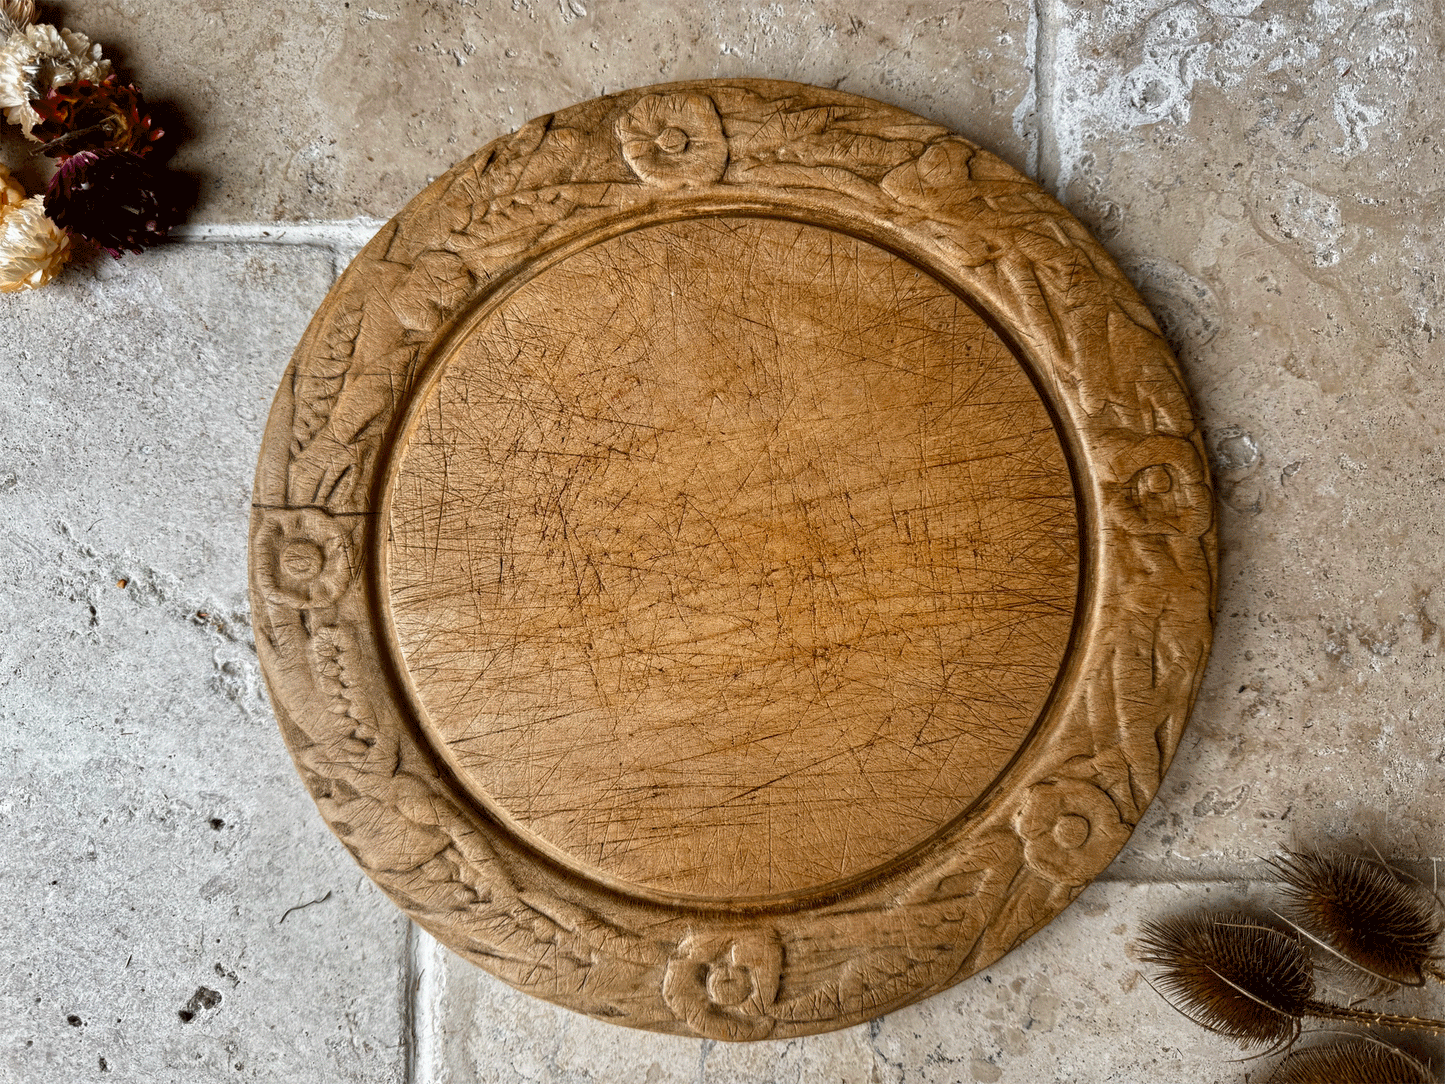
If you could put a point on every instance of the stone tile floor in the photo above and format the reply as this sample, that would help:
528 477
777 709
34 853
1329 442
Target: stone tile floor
1270 174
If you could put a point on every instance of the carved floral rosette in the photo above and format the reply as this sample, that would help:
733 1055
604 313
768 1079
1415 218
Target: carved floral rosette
1066 804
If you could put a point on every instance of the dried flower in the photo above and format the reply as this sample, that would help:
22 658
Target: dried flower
58 88
86 116
38 58
11 192
1247 980
15 15
1233 974
32 247
1385 923
117 199
1356 1061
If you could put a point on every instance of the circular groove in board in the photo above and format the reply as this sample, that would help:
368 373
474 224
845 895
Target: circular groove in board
736 579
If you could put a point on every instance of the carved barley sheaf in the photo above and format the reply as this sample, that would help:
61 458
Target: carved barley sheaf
732 558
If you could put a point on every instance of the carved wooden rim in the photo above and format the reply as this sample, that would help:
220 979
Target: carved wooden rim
1065 805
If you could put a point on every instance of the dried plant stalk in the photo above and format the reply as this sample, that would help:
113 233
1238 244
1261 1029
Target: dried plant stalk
1373 917
1249 981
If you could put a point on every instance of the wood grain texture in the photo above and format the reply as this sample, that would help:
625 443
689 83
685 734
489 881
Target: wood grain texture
732 558
762 546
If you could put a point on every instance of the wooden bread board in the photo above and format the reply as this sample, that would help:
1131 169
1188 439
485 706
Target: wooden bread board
732 558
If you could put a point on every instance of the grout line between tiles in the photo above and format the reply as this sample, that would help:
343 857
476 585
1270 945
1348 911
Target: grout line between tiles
425 985
1203 879
1026 116
1046 25
408 1004
348 234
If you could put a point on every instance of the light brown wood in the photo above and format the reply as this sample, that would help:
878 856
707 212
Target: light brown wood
767 558
732 558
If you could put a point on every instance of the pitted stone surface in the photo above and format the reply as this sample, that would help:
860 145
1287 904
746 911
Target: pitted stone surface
346 109
1269 175
154 831
1271 172
1070 1005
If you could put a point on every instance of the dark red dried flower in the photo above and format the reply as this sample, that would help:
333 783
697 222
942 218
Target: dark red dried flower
86 116
116 199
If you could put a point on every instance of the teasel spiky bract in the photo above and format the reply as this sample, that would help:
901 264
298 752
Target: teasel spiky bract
1355 1061
1370 915
1247 980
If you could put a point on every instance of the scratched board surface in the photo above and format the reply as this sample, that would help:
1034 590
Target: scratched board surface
732 557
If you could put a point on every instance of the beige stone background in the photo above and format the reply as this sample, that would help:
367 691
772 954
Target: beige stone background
1269 173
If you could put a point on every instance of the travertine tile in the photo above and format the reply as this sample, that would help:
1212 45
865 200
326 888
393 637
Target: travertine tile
319 109
1069 1007
154 832
1270 174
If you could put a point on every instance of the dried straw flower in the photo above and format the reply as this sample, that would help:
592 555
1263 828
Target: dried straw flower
86 116
1383 922
117 199
11 192
32 247
38 58
15 15
56 85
